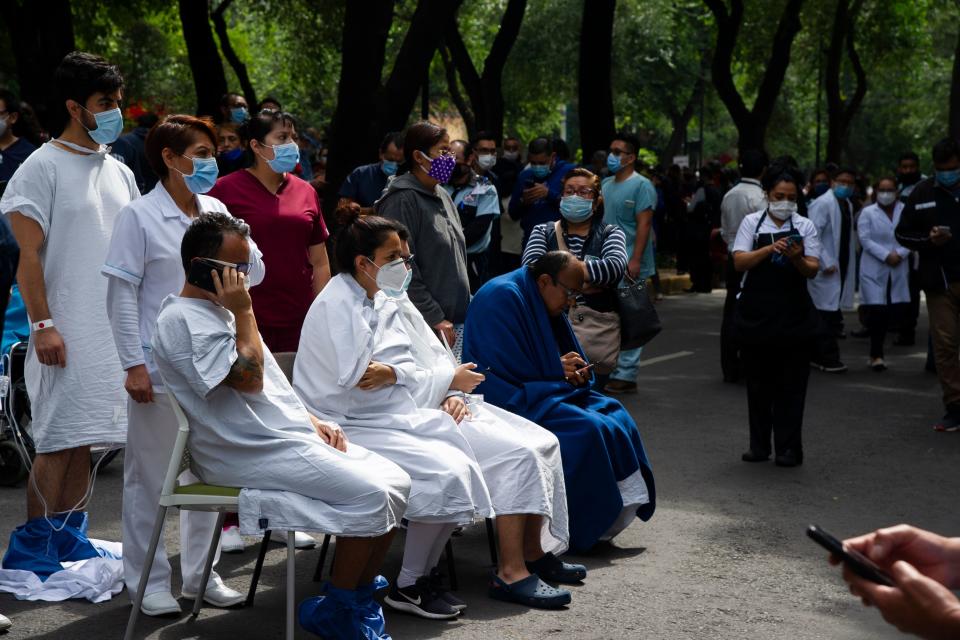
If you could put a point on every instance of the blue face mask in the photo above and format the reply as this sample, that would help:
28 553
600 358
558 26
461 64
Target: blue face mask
820 188
238 114
842 191
575 208
204 175
233 154
109 126
540 170
389 167
285 157
948 179
613 163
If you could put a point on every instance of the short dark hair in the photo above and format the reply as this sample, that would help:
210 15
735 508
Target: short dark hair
395 138
267 99
204 236
176 132
540 145
818 171
80 75
225 98
11 103
753 162
632 141
908 155
946 150
560 147
853 172
421 136
551 263
485 135
147 120
258 126
361 236
781 174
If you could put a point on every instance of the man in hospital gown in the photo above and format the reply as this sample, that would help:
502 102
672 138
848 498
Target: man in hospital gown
517 328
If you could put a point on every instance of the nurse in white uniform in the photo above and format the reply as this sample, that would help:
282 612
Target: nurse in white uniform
144 266
884 267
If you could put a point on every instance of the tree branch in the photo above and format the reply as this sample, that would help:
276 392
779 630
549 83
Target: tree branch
220 25
503 42
861 75
464 64
455 94
728 26
787 30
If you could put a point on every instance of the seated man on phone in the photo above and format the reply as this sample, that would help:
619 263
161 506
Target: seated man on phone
925 227
249 429
517 327
925 569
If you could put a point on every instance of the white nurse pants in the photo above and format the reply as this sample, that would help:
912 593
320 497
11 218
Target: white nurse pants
151 433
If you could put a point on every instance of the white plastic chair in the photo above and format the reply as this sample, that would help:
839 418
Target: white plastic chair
199 497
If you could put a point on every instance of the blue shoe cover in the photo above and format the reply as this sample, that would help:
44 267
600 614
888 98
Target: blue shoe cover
333 616
38 547
369 611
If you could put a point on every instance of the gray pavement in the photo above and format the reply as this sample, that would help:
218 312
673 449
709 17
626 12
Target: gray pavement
725 555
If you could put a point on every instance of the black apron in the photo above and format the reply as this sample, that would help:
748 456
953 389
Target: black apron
774 302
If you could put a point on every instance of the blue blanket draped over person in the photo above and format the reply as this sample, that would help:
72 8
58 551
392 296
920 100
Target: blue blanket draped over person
511 330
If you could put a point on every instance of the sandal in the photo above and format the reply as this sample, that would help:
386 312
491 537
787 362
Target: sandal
531 591
553 569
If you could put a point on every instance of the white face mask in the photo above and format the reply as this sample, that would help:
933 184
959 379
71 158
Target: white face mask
487 161
886 198
393 278
782 209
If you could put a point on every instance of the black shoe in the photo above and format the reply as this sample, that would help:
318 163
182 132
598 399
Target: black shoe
860 333
752 456
420 600
436 583
789 459
829 367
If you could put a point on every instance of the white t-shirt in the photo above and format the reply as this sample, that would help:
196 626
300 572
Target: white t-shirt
75 198
747 233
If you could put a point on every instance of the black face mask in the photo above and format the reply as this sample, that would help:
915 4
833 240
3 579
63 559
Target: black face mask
459 172
912 177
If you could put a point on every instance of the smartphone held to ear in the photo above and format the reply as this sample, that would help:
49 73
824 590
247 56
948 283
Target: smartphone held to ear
200 276
858 563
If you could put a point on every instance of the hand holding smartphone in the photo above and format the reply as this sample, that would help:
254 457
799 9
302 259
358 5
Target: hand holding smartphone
858 563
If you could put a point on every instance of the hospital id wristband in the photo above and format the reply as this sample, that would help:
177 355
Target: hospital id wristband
43 324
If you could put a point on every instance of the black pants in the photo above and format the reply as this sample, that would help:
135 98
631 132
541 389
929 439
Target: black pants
777 377
831 325
729 350
908 322
477 265
879 318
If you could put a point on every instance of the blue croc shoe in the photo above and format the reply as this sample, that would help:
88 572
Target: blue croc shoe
531 591
553 569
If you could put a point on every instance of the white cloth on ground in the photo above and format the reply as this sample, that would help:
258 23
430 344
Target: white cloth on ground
520 460
266 441
94 579
341 335
75 198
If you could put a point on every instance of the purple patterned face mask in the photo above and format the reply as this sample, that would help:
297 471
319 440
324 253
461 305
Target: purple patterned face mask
442 167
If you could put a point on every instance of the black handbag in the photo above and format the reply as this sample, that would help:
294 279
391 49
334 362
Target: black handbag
639 321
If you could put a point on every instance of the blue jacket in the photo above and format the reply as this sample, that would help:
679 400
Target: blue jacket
543 210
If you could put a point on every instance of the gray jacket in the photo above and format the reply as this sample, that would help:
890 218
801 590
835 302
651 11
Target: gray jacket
440 288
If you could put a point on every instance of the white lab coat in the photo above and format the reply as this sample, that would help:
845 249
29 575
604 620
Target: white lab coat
825 289
876 233
520 460
341 335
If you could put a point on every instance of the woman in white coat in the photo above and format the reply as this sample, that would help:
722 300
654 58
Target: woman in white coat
884 270
143 266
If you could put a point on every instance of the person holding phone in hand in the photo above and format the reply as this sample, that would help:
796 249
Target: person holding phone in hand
777 251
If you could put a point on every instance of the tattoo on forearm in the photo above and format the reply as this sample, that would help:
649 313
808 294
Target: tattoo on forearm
245 371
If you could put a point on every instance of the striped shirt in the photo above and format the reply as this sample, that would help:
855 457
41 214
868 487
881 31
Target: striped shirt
603 270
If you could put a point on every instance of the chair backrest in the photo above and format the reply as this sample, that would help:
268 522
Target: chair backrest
285 360
179 455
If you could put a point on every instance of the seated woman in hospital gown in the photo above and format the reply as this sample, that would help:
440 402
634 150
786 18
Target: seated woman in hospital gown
355 366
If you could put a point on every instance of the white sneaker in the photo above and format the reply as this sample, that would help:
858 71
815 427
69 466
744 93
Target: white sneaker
218 595
301 540
159 603
230 541
5 622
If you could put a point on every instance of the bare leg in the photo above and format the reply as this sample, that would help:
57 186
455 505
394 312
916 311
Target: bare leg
380 549
46 478
353 556
75 480
510 533
532 545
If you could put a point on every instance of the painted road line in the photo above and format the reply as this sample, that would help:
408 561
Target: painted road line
669 356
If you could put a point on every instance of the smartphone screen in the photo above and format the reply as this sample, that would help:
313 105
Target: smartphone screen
856 561
199 275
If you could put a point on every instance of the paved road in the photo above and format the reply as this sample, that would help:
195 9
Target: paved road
724 556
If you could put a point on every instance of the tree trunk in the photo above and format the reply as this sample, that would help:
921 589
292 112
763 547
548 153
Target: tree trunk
751 123
41 34
840 113
354 130
238 67
453 86
595 88
208 78
680 120
955 94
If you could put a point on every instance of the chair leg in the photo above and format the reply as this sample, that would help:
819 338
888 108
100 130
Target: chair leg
258 568
145 575
318 573
208 567
291 582
492 543
451 567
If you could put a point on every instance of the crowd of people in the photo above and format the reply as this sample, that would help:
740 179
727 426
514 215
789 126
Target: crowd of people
455 340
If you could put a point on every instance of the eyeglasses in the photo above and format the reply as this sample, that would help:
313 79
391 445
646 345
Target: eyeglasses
407 260
619 152
242 267
583 192
571 293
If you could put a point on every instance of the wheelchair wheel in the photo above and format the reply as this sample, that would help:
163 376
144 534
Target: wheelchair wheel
12 468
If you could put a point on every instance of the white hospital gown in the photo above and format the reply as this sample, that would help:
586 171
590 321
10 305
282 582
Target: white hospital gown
75 198
265 441
341 335
520 460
